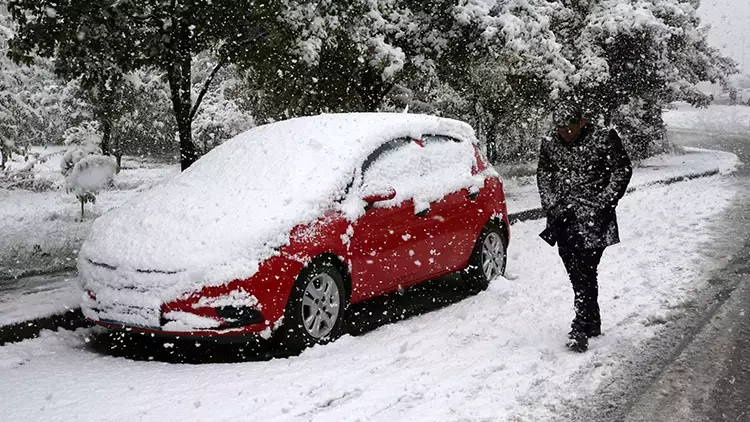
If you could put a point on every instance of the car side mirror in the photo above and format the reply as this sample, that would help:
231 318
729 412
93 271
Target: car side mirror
380 197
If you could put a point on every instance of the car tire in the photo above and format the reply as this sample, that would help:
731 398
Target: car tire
488 258
316 307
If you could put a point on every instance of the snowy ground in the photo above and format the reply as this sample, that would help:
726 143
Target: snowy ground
495 356
43 230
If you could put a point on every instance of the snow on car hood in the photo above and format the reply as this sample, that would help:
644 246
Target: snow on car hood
218 220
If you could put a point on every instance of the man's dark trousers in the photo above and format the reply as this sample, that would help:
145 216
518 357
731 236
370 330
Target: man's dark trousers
582 265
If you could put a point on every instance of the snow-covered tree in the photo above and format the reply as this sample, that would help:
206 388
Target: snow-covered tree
351 55
82 140
636 55
88 176
86 170
33 103
147 126
223 113
127 36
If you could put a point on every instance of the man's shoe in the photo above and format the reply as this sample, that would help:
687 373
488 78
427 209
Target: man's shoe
590 332
577 342
594 332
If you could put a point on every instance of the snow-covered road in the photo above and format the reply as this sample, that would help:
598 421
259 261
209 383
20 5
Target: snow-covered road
495 356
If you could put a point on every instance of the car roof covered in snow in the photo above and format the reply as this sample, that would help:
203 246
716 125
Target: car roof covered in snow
225 214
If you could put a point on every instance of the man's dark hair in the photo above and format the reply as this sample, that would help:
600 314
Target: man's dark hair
567 112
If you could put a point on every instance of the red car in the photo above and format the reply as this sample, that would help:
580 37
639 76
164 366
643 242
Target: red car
278 230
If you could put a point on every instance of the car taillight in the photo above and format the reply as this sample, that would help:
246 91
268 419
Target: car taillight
481 162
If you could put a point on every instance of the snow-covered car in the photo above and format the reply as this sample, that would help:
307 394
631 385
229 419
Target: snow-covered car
279 229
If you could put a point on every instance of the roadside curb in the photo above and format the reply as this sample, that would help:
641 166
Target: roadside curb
70 320
73 318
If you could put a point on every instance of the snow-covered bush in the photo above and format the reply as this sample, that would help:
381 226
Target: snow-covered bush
83 140
86 171
89 175
219 119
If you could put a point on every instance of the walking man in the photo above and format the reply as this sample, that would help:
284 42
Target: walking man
582 174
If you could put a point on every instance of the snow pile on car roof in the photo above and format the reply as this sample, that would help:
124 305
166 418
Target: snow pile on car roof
229 211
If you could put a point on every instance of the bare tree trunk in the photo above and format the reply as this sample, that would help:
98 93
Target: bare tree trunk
180 90
179 75
106 136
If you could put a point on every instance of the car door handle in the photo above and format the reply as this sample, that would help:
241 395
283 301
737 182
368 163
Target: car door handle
423 212
473 195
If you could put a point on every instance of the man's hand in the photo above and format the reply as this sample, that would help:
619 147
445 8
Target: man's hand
601 204
562 212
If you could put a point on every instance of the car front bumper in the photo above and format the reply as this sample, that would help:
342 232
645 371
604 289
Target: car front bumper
253 306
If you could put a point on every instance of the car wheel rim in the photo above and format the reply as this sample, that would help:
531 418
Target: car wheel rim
320 305
493 256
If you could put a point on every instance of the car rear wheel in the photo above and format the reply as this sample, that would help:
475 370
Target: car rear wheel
488 258
316 306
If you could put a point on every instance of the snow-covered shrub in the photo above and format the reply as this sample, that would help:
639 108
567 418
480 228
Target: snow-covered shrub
89 175
219 119
86 171
83 140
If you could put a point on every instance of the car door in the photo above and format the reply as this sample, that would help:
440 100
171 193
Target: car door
446 246
382 241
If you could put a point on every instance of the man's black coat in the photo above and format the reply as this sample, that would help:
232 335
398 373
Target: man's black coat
580 184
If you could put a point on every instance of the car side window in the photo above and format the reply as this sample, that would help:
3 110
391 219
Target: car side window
447 162
393 166
424 171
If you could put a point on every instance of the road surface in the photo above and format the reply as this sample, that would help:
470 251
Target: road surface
698 369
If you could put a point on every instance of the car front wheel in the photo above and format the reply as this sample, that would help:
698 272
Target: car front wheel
488 258
315 310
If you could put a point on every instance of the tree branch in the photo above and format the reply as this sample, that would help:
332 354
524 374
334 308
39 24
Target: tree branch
222 61
206 85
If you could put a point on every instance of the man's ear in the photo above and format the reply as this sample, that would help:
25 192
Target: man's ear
583 122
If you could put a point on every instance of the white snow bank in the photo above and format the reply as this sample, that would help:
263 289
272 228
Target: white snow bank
37 297
714 119
496 356
224 215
